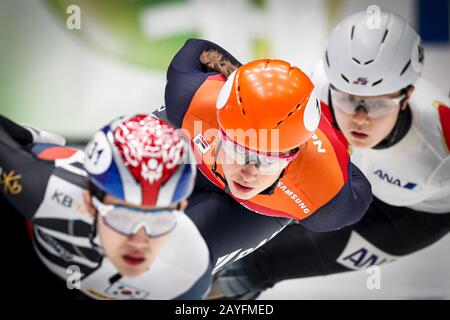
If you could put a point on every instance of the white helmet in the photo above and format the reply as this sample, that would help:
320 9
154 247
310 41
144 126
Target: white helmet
366 57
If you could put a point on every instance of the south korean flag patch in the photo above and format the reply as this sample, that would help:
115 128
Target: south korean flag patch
123 291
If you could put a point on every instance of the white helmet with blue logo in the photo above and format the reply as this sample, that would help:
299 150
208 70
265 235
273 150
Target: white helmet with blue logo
373 54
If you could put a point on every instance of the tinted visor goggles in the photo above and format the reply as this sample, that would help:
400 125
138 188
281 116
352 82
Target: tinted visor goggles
375 107
128 221
265 162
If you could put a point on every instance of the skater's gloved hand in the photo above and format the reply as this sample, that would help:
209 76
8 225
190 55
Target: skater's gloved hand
41 136
26 135
231 284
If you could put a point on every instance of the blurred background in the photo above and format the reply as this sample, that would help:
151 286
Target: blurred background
72 81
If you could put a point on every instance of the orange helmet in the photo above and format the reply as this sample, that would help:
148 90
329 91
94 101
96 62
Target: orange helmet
273 101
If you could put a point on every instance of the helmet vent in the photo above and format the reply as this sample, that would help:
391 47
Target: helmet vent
356 60
297 107
384 36
367 62
405 67
353 31
326 58
290 70
345 78
376 82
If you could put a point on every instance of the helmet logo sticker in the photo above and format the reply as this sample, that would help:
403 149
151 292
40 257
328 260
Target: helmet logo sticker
98 154
311 117
152 150
361 81
225 92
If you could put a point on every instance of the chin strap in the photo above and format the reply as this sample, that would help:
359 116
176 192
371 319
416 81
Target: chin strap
401 128
100 195
214 169
270 190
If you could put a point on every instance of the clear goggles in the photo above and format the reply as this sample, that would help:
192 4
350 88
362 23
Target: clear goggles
266 163
128 221
374 107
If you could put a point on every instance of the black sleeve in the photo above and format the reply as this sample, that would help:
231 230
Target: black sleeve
346 208
185 75
228 227
23 177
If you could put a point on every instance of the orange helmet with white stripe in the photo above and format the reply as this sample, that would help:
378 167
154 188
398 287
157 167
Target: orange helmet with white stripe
274 100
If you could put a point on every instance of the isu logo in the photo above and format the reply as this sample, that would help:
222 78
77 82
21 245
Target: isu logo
394 181
361 81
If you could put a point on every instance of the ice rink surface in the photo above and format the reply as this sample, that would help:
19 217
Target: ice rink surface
422 275
63 76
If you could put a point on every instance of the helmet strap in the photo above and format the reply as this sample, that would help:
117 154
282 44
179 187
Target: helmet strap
93 234
270 190
330 104
214 169
100 195
401 128
96 191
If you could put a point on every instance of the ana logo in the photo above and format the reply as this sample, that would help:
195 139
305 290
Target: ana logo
360 254
361 81
10 182
395 181
201 143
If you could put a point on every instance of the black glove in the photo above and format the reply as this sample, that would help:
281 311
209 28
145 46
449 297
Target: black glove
27 134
